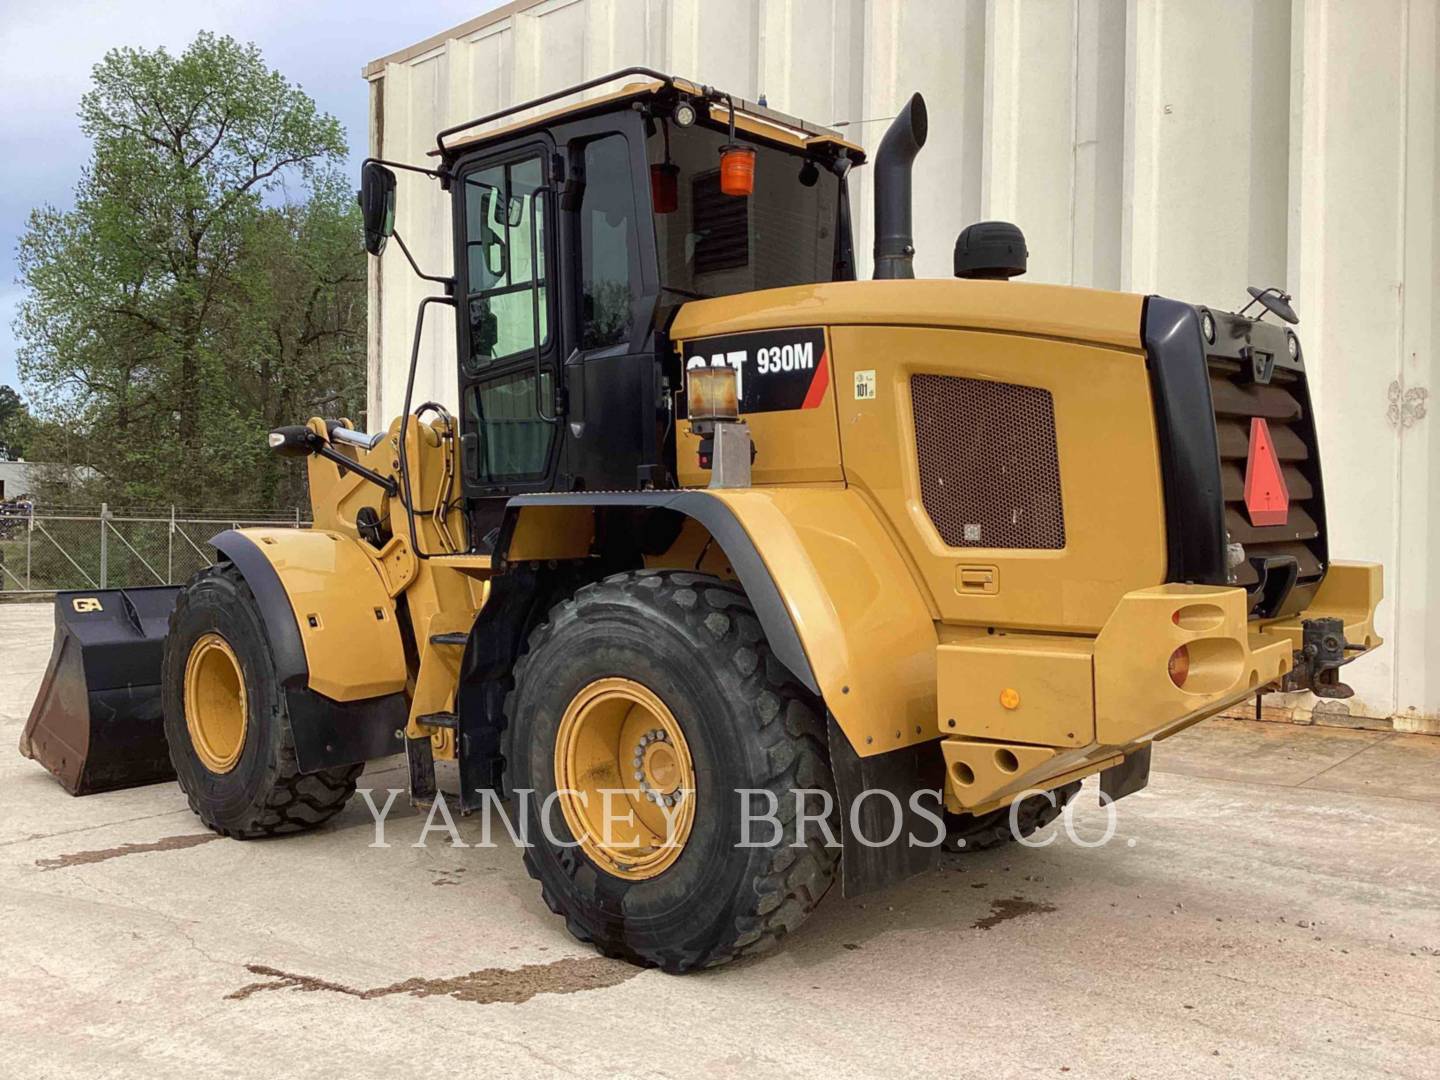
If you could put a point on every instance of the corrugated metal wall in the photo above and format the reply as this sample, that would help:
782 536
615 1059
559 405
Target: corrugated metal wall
1150 145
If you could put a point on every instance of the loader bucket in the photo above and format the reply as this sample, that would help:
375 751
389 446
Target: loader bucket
96 723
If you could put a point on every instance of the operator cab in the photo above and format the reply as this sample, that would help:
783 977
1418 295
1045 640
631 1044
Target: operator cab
580 233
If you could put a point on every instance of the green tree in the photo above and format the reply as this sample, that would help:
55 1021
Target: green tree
14 425
182 307
302 309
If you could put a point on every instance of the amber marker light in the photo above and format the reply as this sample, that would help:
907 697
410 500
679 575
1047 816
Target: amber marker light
711 393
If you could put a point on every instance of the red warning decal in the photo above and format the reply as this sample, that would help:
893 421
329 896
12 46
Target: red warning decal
1266 496
818 383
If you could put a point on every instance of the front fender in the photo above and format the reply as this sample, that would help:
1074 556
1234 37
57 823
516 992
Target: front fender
329 617
333 638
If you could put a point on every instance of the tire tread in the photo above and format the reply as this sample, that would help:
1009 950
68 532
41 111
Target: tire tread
294 801
718 612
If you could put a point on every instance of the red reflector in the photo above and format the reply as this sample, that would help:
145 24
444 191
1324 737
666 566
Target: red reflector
1180 666
1266 497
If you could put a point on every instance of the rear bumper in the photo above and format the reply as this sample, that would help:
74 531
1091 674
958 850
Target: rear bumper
1023 712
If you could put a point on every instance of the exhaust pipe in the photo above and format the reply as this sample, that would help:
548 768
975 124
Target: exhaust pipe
894 240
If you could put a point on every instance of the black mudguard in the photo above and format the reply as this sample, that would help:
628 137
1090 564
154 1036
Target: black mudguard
913 776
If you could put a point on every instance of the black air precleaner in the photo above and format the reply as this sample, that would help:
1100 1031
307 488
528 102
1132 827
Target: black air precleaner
993 250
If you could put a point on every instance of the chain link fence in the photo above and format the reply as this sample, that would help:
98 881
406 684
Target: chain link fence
44 550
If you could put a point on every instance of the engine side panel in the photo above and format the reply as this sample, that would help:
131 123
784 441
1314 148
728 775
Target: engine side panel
950 471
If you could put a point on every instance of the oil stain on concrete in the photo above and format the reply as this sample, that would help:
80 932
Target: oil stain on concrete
169 843
1011 908
487 986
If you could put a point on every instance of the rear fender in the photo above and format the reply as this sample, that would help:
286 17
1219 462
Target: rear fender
839 604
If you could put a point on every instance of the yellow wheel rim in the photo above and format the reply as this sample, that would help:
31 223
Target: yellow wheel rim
625 778
216 708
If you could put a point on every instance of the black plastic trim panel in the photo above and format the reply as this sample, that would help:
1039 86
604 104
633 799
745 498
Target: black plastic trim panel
1189 449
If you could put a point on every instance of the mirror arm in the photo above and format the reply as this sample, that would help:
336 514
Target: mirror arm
432 173
448 282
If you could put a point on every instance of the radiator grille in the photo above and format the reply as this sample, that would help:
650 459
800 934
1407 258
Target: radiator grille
1281 404
989 464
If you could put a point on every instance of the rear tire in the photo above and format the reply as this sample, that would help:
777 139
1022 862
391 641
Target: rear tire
969 833
261 792
691 646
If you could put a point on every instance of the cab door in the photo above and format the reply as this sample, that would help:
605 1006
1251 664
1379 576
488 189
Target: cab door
509 346
611 366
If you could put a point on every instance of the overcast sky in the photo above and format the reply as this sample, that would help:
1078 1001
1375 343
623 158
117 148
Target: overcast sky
48 47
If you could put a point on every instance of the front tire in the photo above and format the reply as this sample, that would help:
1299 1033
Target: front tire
227 721
680 661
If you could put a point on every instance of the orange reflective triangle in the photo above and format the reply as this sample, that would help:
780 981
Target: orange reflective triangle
1266 496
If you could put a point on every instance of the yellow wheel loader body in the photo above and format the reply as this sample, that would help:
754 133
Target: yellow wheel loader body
712 512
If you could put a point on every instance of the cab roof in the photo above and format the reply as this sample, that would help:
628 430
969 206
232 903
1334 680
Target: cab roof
759 121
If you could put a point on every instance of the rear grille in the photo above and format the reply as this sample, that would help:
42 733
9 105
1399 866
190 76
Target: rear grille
1282 403
989 464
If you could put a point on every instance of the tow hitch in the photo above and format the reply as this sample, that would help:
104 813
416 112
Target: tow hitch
1318 661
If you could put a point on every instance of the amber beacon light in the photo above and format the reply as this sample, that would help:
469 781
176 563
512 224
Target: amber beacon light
737 170
737 164
711 393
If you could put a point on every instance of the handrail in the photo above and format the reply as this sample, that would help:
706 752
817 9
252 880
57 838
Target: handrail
538 261
589 84
705 92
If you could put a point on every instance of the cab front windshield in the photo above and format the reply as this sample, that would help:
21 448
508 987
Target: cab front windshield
713 244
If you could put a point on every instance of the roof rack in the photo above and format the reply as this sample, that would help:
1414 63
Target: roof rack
684 86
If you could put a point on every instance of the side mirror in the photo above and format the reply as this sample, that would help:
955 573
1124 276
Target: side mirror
516 211
377 205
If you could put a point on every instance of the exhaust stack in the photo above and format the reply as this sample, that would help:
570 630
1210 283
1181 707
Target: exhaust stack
894 238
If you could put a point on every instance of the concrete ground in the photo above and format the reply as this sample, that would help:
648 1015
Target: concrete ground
1270 906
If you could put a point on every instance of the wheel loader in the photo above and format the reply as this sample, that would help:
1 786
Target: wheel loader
744 576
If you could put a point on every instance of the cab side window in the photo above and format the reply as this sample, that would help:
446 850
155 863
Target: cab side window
501 262
609 253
